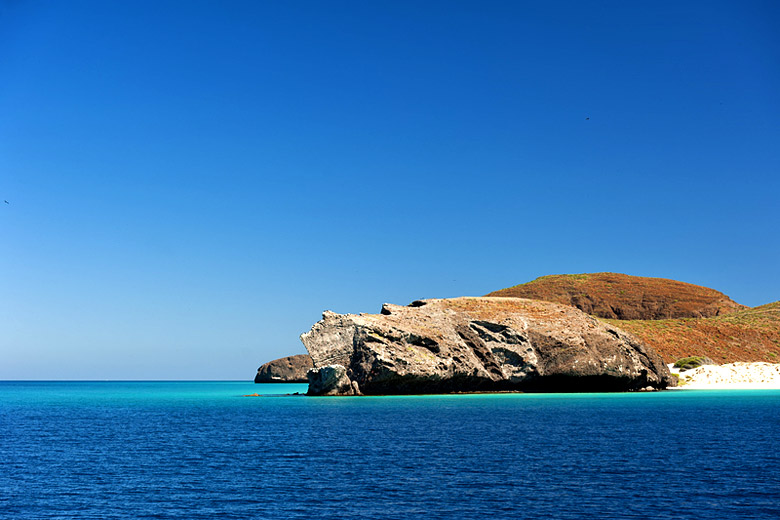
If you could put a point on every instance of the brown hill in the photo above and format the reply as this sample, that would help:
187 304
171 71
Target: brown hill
624 297
747 335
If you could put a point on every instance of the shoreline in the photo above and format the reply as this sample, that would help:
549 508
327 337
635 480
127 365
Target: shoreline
730 376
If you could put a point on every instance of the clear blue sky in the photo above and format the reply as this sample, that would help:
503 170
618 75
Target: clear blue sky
191 184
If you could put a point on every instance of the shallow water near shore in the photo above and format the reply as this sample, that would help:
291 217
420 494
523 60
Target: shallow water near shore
200 450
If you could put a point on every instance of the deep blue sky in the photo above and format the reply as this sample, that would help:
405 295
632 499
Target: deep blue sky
191 184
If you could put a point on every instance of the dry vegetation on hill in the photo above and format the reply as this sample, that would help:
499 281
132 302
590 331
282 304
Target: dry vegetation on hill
677 319
748 335
624 297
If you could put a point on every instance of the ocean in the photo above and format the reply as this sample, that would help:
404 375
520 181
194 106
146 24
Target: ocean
199 450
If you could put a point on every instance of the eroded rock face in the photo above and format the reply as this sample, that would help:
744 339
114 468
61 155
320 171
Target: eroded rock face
290 369
478 344
331 380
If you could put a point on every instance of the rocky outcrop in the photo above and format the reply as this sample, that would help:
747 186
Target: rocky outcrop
476 344
290 369
625 297
331 380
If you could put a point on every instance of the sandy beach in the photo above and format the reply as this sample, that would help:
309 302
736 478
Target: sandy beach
731 376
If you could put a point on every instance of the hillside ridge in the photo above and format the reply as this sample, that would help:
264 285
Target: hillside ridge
749 335
626 297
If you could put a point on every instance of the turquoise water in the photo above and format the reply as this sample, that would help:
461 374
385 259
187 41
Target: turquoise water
201 450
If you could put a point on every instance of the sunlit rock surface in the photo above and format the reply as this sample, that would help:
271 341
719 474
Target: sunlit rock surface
478 344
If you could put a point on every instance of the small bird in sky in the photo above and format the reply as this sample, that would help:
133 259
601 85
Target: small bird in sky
6 202
587 119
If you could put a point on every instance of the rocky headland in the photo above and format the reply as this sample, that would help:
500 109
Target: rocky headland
290 369
477 344
675 319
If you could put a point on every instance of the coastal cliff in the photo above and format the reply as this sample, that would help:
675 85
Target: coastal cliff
290 369
476 344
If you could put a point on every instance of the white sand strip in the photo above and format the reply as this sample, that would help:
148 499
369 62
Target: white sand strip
731 376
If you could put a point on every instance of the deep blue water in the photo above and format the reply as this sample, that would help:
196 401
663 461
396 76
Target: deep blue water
200 450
